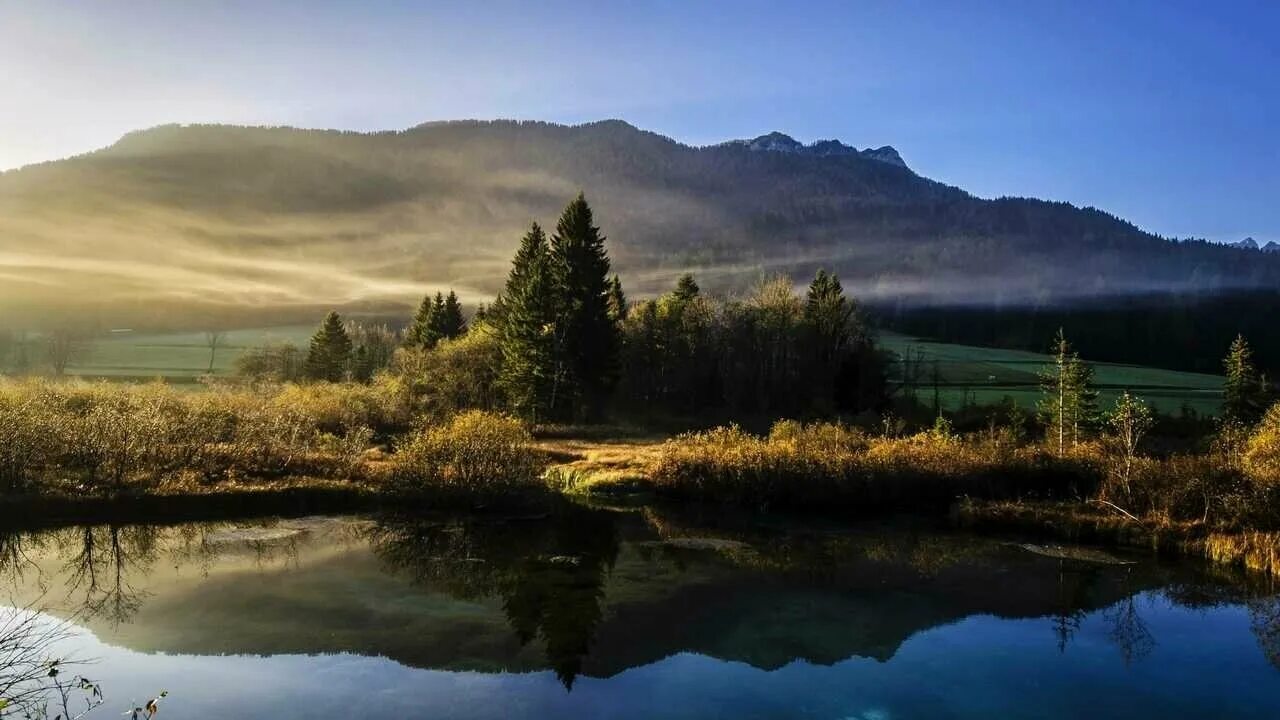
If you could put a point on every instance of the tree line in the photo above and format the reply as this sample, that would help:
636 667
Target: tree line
561 343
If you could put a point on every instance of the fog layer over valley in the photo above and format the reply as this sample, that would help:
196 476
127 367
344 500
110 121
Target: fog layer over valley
180 222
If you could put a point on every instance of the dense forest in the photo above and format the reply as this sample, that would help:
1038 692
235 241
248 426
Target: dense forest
275 223
1180 331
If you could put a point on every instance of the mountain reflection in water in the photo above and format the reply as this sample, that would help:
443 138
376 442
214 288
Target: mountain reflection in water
609 596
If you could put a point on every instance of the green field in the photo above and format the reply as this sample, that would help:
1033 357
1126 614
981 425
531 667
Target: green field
983 375
986 375
176 357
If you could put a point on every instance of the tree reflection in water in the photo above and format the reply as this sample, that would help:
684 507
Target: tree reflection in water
101 560
550 576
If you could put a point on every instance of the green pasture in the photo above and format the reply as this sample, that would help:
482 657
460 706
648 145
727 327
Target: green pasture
175 357
964 372
985 375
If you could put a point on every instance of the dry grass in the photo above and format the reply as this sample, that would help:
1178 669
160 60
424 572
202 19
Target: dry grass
1100 524
826 465
96 438
474 452
600 466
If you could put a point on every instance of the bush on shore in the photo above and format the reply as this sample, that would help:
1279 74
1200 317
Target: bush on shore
476 452
104 437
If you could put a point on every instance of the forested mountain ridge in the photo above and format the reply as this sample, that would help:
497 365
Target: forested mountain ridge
275 219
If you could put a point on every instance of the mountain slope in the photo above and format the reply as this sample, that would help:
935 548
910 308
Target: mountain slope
184 218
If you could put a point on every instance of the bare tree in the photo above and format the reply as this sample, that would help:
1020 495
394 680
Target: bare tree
34 681
64 346
212 339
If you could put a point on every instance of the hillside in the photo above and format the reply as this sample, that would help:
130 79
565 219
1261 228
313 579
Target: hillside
275 221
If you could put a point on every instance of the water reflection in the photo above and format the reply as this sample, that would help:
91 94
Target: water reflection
592 593
551 583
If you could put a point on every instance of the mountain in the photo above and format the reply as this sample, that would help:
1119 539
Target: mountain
779 142
1245 244
1271 246
281 221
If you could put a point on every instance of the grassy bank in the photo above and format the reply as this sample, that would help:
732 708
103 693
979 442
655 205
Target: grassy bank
72 447
828 466
1256 550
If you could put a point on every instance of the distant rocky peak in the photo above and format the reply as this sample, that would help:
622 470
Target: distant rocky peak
885 153
781 142
1271 246
1245 244
776 141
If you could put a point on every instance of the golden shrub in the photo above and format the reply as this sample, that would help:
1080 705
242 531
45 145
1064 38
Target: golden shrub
475 451
1261 458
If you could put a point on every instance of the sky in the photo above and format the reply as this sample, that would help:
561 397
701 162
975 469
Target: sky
1164 113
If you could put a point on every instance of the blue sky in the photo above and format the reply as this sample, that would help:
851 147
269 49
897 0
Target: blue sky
1166 113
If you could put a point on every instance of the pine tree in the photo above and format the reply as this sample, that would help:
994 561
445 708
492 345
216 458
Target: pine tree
617 300
1084 405
686 289
1241 390
330 350
829 313
1068 406
450 322
590 335
362 364
529 331
419 334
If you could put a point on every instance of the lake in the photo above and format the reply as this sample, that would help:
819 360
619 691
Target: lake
640 613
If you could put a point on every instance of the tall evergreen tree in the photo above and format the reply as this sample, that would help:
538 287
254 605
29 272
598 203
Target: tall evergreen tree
1241 390
330 351
617 300
529 331
590 335
450 322
686 288
420 333
1068 404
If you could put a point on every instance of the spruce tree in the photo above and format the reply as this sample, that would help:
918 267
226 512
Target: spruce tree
1068 404
330 351
686 289
617 300
590 335
450 322
529 331
1241 389
419 334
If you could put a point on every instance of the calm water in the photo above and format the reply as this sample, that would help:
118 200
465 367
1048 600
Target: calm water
598 614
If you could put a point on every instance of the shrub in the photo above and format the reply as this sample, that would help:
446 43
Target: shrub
474 451
106 437
1262 451
826 465
459 374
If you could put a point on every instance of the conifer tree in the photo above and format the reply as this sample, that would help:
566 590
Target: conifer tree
419 334
829 313
1241 389
1068 404
330 350
590 335
686 289
450 322
529 332
361 364
617 300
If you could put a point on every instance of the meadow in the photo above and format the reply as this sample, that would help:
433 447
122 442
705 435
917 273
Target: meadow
177 357
986 375
965 373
